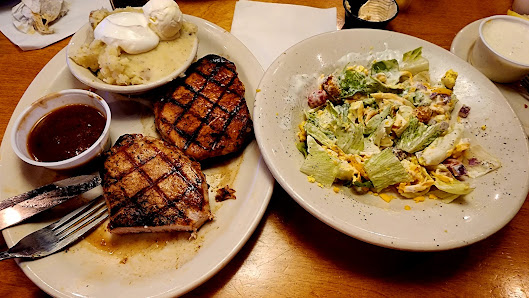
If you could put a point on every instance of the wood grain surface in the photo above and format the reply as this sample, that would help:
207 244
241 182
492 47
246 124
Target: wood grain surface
292 254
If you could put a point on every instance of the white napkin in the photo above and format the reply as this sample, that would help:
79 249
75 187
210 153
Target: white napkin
76 17
268 29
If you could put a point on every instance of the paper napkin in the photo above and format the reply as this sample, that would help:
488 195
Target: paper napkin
268 29
76 17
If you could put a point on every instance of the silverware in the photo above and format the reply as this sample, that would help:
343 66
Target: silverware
525 83
21 207
59 234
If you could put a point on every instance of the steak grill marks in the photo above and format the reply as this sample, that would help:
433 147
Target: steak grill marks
206 83
170 210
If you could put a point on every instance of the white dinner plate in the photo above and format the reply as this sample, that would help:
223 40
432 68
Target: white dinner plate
150 264
426 226
515 94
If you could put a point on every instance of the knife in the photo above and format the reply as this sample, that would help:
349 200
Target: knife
23 206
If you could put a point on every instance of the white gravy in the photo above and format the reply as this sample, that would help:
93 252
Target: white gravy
509 38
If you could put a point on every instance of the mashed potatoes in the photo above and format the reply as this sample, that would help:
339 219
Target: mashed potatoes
113 66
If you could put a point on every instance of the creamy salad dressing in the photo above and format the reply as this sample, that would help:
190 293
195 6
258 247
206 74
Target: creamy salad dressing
510 39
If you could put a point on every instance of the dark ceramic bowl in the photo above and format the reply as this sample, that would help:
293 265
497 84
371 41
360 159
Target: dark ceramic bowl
353 21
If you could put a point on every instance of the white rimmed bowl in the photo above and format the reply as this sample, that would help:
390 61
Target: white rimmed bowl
88 78
426 226
490 61
32 114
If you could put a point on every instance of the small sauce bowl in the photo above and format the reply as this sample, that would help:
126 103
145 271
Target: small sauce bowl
27 120
352 20
501 51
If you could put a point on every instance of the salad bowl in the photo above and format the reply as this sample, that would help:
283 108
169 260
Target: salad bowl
400 223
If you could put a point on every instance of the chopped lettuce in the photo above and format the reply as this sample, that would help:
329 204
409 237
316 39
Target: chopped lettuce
332 126
352 82
302 147
419 135
375 121
350 139
452 186
442 147
444 197
318 134
319 164
414 62
384 169
390 69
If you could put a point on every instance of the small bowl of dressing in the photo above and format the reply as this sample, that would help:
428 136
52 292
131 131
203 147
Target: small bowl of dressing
501 51
63 130
375 14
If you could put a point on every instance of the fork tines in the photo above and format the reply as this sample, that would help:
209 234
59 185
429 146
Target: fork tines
81 220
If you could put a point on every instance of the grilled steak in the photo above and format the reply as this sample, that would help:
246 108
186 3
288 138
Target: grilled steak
150 186
205 113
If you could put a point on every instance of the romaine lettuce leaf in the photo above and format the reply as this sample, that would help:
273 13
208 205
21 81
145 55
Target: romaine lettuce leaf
384 169
318 134
390 68
352 82
419 135
441 147
414 62
444 197
350 139
319 164
375 121
453 186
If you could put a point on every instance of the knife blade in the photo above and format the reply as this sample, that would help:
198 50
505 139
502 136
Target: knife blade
21 207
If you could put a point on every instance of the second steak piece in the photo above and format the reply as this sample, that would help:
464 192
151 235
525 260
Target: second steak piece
206 115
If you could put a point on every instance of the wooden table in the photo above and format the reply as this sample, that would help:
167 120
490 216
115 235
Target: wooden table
292 253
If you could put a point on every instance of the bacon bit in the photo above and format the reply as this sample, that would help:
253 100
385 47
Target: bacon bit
400 154
464 111
455 167
317 98
525 105
224 194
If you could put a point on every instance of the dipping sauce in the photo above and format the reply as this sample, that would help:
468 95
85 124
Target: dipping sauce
510 39
65 132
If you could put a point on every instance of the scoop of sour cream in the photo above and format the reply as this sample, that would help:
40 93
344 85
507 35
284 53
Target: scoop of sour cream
129 31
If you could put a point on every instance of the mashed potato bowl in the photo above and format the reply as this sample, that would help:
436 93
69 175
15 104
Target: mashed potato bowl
87 77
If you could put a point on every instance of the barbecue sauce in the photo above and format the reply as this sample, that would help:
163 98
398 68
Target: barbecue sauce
65 132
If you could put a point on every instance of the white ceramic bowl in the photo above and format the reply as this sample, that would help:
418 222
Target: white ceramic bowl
426 226
88 78
490 61
27 119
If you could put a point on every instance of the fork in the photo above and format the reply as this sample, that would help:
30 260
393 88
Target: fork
59 234
525 83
